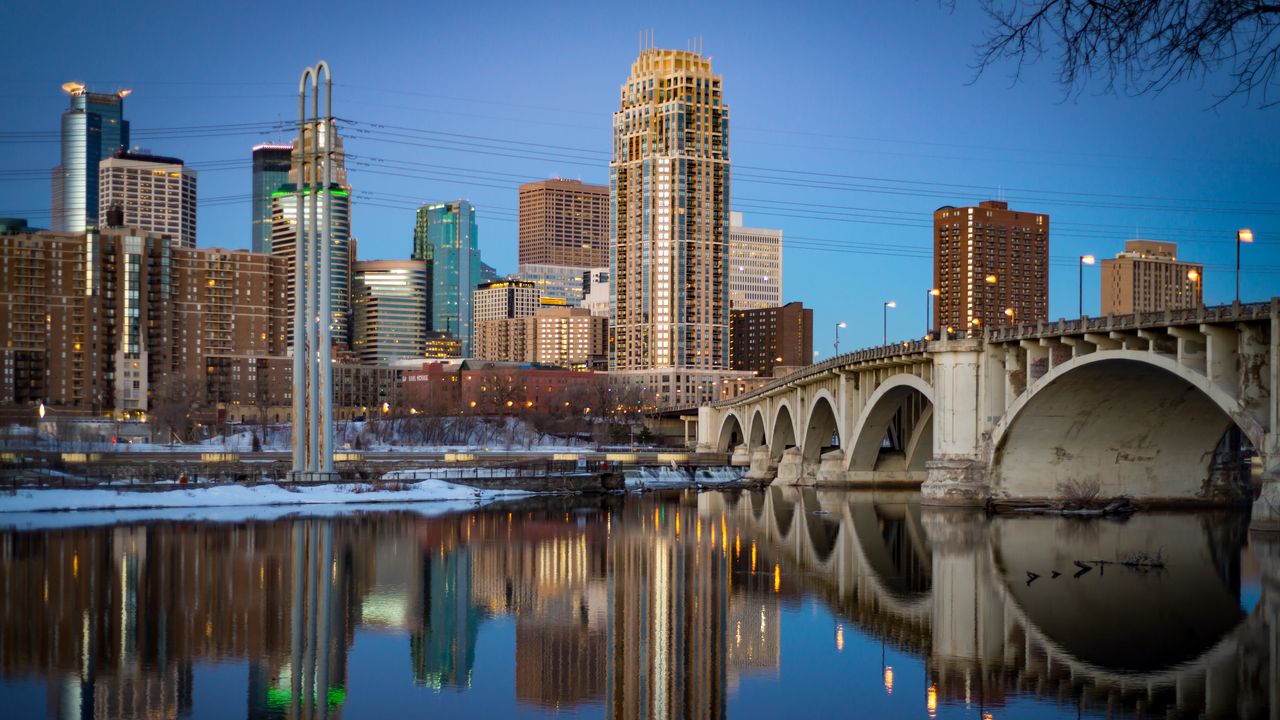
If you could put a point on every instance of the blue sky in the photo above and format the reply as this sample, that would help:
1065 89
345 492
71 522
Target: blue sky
850 124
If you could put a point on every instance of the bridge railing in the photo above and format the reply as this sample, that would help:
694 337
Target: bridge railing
1137 321
893 350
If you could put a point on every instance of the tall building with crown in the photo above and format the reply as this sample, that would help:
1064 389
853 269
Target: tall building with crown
669 230
93 129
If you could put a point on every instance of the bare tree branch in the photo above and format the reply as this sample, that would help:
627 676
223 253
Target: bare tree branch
1140 46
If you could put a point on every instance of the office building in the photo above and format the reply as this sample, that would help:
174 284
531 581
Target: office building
446 237
569 337
390 308
1148 276
755 266
991 266
670 224
562 282
504 299
152 193
284 241
596 298
563 222
488 273
271 164
772 341
93 129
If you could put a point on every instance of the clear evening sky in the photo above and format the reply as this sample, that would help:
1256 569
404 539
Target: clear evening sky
850 123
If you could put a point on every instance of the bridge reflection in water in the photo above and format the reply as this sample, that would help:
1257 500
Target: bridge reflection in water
662 606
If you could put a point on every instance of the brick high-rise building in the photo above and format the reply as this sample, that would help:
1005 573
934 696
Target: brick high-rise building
554 335
564 222
670 228
1148 276
151 193
755 266
767 339
989 260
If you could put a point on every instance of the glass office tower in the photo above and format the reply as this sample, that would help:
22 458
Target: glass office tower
446 237
93 129
270 170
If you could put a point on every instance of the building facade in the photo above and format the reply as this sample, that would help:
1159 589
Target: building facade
569 337
669 225
755 266
596 298
93 129
772 341
390 309
504 299
446 236
991 266
271 164
152 193
563 222
1147 277
562 282
284 244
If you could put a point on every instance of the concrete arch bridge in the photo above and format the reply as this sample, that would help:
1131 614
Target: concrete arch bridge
1156 406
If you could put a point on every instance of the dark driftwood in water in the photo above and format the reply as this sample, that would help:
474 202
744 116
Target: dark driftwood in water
1118 507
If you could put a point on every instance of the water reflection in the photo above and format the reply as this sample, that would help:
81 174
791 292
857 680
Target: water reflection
653 607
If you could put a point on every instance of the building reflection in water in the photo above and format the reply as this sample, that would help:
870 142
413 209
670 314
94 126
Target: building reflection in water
651 607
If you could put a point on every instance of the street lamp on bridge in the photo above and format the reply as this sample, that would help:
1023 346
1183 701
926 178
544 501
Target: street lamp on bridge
1243 235
1009 311
1084 260
841 324
928 312
887 304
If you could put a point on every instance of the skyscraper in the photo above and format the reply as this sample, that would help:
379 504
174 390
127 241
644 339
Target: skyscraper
755 266
93 128
1148 276
563 222
284 240
271 164
669 250
148 192
446 236
389 299
991 266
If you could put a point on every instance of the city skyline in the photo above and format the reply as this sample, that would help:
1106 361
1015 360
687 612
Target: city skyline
1100 165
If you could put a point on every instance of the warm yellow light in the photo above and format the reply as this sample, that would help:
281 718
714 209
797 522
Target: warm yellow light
935 292
990 279
74 88
1192 275
510 403
842 325
931 701
839 638
386 408
1008 311
473 403
1088 259
777 359
891 304
753 557
777 578
976 322
1244 235
888 679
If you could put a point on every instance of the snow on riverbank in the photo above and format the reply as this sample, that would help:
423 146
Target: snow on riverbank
38 500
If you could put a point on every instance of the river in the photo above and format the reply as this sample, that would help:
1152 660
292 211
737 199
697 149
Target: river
773 604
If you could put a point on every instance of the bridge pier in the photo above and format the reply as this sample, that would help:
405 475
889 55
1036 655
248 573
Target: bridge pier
761 465
741 456
958 470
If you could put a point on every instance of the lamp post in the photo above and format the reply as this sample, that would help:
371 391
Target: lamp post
1009 311
839 325
1084 260
887 304
928 312
1243 235
1194 276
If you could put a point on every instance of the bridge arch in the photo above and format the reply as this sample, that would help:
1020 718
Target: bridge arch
891 397
757 432
823 422
731 433
1119 422
783 433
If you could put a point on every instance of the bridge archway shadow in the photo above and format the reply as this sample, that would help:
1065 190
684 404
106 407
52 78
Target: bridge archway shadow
784 432
731 433
756 434
895 430
1123 423
822 432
